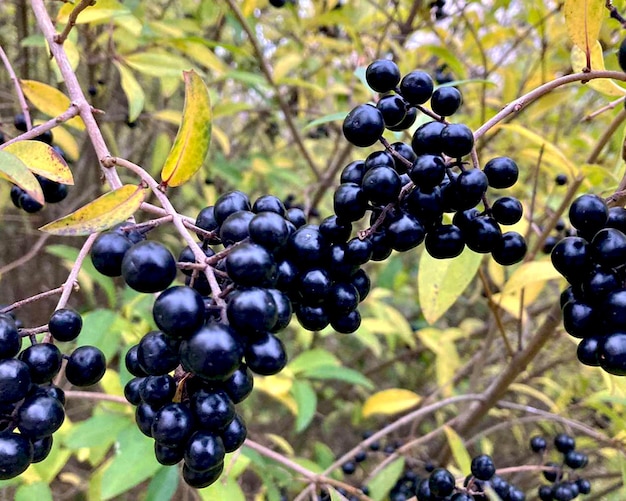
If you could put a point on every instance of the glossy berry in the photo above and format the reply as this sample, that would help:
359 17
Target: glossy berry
457 140
483 234
335 230
15 380
229 203
108 251
584 486
202 479
85 366
268 203
65 324
252 310
43 360
416 87
132 362
405 233
10 340
364 125
40 416
269 230
554 474
148 267
483 467
235 227
381 185
587 351
446 101
132 390
538 444
214 352
353 172
502 172
445 241
172 424
179 311
621 55
469 188
588 213
250 265
42 448
441 482
428 171
560 180
204 451
510 249
609 247
167 455
206 221
346 323
507 210
348 467
612 353
575 459
393 109
213 409
239 385
427 139
409 119
404 151
234 434
382 75
16 454
157 353
157 390
266 355
571 257
19 122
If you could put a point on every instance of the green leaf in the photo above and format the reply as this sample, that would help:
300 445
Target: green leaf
134 93
226 489
440 282
133 463
101 214
157 63
163 485
385 479
14 170
340 374
194 135
98 430
459 452
306 399
30 492
310 359
99 330
333 117
42 159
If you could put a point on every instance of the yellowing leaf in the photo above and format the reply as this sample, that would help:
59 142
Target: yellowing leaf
602 85
102 10
583 19
194 135
528 273
106 211
440 282
459 452
157 63
173 117
42 159
134 93
14 170
67 142
49 101
390 401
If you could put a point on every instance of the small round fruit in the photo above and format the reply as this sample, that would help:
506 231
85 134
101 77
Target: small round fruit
204 451
364 125
10 340
15 380
441 482
85 366
538 444
457 140
148 267
179 311
588 213
250 265
483 467
16 454
65 324
382 75
510 249
108 251
266 355
234 435
172 424
416 87
621 55
502 172
43 360
202 479
612 353
446 101
40 416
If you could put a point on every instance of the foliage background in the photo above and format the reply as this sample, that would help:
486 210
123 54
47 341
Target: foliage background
277 110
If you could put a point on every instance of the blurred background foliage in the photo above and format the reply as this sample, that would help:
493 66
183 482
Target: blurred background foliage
278 105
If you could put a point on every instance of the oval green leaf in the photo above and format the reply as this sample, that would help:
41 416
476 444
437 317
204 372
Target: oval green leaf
459 451
42 159
385 479
194 135
134 93
49 101
14 170
390 401
440 282
106 211
605 86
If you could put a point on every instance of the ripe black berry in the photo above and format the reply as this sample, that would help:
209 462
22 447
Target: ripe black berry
10 340
43 360
16 454
538 444
427 139
266 355
148 267
40 416
252 310
364 125
416 87
157 353
507 210
483 467
229 203
588 213
349 202
15 380
179 311
382 75
85 366
446 101
172 424
441 482
381 185
457 140
204 451
65 324
108 251
250 265
502 172
393 109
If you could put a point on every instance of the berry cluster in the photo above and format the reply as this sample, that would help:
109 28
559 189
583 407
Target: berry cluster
594 305
191 372
410 187
560 488
29 401
53 192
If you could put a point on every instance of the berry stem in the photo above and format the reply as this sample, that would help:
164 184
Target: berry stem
94 395
71 112
394 153
32 299
610 106
18 88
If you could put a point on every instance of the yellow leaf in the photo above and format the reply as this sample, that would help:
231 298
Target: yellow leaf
281 442
529 273
603 85
42 159
106 211
49 101
389 402
583 19
194 135
459 452
102 10
14 170
67 142
440 282
157 63
173 117
134 93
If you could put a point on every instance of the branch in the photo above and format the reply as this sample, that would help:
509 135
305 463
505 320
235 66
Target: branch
265 68
18 88
71 112
520 103
83 4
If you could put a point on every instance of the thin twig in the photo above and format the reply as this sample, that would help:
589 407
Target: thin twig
32 299
71 112
18 88
71 22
